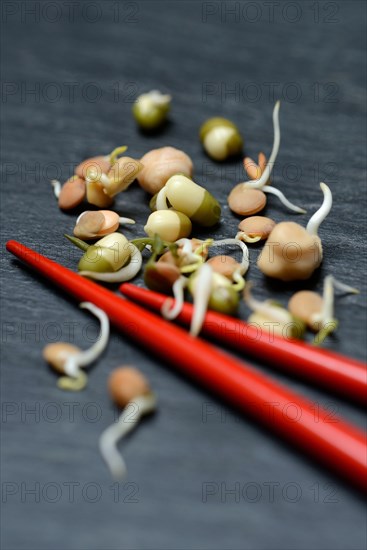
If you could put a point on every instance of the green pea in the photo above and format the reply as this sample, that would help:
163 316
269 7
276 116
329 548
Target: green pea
95 259
212 123
150 110
209 211
224 299
107 255
193 200
221 138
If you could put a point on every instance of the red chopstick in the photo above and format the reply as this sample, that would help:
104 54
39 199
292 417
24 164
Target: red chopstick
338 445
344 375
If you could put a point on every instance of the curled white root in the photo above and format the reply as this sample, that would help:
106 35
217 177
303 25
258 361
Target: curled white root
327 313
126 273
170 311
73 383
126 423
190 261
344 288
76 379
85 357
245 262
126 221
56 184
239 281
201 293
274 191
187 254
161 202
242 236
326 318
319 216
270 311
259 183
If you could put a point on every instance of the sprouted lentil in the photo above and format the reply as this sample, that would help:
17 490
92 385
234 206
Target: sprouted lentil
131 391
69 360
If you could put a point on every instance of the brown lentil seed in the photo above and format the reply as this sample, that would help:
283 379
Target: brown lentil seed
72 193
111 222
257 226
126 384
225 265
169 258
245 201
57 353
304 305
89 225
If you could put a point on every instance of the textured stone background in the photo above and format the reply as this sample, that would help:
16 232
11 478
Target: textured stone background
86 62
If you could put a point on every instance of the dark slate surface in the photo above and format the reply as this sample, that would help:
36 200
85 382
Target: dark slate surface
183 461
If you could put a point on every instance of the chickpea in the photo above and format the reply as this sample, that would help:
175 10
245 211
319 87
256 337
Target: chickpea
292 252
160 165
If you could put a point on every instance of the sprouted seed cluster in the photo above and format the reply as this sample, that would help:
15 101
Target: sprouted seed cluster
178 262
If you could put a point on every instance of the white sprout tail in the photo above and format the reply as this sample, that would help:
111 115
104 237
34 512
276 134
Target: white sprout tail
203 286
86 357
259 183
274 191
319 216
161 202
